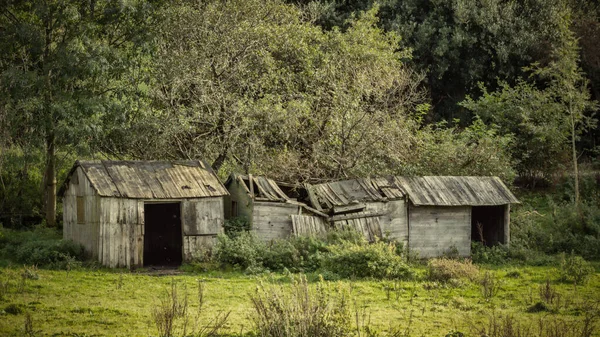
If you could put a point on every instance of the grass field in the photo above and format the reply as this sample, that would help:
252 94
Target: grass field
96 302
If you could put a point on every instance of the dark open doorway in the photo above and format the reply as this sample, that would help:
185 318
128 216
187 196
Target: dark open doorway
162 237
487 224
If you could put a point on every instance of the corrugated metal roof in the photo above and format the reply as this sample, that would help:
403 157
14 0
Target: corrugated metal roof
347 192
151 179
456 191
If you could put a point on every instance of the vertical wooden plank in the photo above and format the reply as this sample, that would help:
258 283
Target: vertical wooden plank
140 234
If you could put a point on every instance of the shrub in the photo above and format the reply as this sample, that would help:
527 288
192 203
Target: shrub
575 269
41 247
299 311
495 255
296 254
444 269
242 251
237 225
339 236
378 260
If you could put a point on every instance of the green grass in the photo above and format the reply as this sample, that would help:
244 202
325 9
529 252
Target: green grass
119 303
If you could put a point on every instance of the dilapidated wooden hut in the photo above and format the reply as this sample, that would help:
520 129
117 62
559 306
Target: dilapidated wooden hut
272 208
375 207
449 212
429 215
140 213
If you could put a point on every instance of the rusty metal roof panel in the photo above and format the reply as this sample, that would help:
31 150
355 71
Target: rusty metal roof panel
456 191
152 179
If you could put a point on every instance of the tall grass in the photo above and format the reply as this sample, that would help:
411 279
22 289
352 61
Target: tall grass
298 310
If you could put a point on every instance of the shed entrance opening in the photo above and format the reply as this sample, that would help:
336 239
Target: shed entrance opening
162 236
487 224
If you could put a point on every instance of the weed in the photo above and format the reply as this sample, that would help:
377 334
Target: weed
30 273
392 288
444 270
299 311
28 328
547 293
575 269
490 285
120 281
171 314
169 311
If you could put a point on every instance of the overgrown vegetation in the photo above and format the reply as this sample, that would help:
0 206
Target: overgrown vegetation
297 310
42 247
338 254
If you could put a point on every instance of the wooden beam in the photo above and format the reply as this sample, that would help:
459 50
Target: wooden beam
348 208
356 216
251 183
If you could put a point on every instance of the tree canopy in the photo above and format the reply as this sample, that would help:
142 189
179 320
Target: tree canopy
297 90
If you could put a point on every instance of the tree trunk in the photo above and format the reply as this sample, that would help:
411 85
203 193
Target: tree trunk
216 165
575 167
50 179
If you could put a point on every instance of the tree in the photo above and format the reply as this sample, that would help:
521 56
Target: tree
61 64
567 84
547 111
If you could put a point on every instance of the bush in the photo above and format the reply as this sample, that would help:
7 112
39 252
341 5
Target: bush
299 311
444 270
42 247
378 260
242 251
552 227
495 255
575 269
235 226
296 254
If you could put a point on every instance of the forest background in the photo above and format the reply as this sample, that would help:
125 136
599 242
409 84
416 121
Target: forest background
302 91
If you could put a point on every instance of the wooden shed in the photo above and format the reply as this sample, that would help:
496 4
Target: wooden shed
375 207
141 213
271 207
450 212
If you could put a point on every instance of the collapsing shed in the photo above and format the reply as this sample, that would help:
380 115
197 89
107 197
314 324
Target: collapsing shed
140 213
429 215
272 212
450 212
375 207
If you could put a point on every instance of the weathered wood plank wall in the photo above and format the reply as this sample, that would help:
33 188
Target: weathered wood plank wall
272 220
202 220
394 220
84 231
433 230
120 233
309 225
239 194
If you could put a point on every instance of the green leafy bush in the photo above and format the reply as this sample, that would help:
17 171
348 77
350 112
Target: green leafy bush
241 251
575 269
491 255
235 226
42 247
444 270
296 254
551 225
378 260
